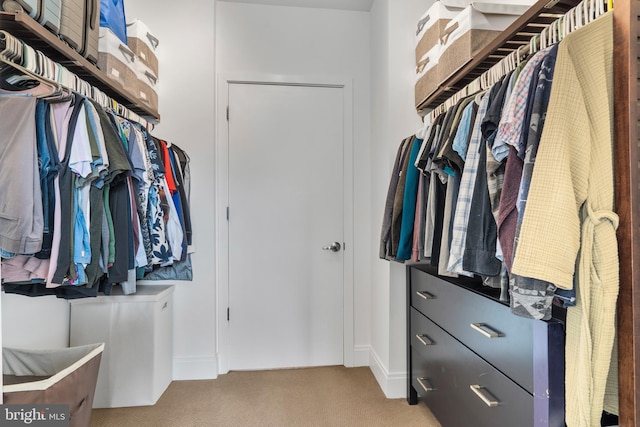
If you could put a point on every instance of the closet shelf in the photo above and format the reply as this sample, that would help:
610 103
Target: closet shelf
22 26
539 15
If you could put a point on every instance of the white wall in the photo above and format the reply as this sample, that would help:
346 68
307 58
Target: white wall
186 94
302 42
393 118
35 323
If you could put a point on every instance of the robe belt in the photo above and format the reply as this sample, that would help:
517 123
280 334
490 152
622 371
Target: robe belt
585 292
597 217
591 222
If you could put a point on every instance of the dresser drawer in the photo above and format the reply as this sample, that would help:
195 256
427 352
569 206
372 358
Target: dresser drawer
464 390
491 398
433 384
427 338
484 325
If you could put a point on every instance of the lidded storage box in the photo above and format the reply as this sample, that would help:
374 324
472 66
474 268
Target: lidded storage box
473 29
115 59
427 74
143 43
431 25
146 86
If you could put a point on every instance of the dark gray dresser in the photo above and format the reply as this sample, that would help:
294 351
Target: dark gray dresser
473 362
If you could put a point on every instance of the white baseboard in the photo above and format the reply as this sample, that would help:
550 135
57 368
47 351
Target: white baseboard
195 368
393 384
361 355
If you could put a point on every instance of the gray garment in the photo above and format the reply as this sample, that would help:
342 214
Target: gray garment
429 222
21 214
424 189
385 238
453 185
129 286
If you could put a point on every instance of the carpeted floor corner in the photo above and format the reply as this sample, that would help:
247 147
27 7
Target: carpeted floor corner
332 396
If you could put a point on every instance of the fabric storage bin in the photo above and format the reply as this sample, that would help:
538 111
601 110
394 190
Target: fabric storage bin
137 330
115 59
64 376
460 4
143 43
510 7
428 74
466 34
431 25
146 86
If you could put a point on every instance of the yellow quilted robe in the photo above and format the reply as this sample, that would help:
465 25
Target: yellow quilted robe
569 227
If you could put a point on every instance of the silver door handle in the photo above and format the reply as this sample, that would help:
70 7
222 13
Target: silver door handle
335 247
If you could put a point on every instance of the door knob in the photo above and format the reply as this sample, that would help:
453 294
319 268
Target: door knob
335 247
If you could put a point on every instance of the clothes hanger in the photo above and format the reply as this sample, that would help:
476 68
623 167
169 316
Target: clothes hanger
533 44
522 53
579 16
23 79
9 47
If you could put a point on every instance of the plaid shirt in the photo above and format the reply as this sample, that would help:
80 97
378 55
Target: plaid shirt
510 130
465 194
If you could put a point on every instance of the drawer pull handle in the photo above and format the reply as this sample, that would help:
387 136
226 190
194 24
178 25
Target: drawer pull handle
425 340
486 330
425 295
484 395
425 384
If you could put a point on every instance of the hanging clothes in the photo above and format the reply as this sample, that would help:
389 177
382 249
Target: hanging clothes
574 163
405 243
91 220
530 297
386 247
21 215
465 194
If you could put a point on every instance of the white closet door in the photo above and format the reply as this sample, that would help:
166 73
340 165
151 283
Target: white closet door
285 205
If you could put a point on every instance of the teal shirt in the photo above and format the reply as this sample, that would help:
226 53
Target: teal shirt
409 204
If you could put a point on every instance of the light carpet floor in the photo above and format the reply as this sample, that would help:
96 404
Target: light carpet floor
332 396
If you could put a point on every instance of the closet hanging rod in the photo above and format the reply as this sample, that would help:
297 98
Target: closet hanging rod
583 13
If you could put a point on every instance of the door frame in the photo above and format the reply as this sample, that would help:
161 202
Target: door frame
222 199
